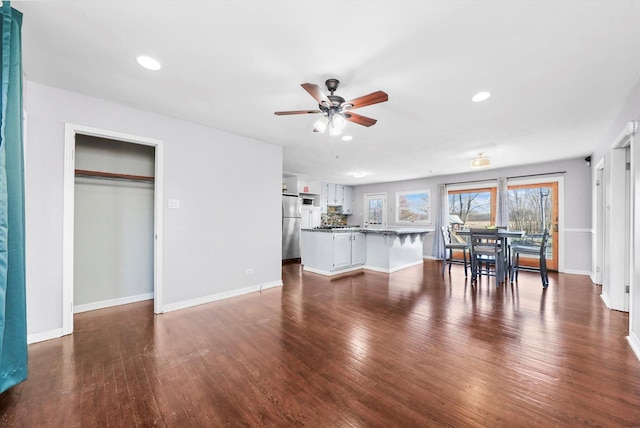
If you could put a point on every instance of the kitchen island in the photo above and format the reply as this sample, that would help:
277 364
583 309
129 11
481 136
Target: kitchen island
335 251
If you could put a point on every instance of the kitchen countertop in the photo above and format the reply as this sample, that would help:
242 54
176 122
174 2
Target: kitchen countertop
382 231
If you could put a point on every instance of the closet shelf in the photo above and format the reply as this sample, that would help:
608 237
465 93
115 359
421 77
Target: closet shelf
113 176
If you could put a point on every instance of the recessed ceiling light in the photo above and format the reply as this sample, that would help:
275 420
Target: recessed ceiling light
347 138
480 96
359 174
149 63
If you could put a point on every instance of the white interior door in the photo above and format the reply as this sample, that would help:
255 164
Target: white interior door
375 210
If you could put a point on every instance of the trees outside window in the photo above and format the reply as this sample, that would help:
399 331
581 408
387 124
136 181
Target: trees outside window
413 207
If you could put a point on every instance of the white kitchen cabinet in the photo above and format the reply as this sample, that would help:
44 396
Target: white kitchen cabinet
324 196
310 217
347 204
331 195
341 250
339 195
329 253
358 248
334 252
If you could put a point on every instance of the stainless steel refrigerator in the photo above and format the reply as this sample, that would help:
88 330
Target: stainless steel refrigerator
291 213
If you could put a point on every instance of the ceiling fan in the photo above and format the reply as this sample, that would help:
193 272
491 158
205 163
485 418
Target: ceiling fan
335 110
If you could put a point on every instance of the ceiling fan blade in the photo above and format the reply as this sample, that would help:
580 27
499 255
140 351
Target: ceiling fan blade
366 100
317 94
359 119
284 113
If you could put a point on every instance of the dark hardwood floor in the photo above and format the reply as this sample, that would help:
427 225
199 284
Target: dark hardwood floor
410 349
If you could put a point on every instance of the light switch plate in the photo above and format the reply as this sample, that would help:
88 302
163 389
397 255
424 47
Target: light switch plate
173 204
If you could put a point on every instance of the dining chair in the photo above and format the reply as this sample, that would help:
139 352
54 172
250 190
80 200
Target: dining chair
450 246
487 257
532 250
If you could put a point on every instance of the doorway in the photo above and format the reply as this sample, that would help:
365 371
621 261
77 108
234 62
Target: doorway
71 134
534 208
113 223
615 249
375 210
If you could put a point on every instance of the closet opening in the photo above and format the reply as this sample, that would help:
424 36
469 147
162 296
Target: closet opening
112 233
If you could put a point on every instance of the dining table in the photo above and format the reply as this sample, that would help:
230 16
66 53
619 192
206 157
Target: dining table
505 235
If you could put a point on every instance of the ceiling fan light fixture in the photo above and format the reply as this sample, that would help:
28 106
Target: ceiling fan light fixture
480 162
321 124
338 122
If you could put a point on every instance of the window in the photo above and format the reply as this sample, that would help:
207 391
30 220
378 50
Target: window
471 208
413 207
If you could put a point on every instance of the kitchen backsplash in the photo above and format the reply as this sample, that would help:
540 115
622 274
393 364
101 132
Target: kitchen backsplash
334 217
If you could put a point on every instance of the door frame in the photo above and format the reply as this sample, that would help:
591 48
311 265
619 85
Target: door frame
618 246
365 214
598 215
71 130
556 241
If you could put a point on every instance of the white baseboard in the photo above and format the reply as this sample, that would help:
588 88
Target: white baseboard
634 343
219 296
111 302
431 258
332 273
395 269
606 300
44 335
576 272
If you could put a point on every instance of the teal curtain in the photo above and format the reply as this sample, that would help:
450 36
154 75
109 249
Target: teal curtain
13 321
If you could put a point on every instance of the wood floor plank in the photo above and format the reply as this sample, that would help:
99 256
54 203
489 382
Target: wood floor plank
412 348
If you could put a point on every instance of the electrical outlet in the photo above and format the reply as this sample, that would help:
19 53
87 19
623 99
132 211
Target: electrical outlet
248 271
173 204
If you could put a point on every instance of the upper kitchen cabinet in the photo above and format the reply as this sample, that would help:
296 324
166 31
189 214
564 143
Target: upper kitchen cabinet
333 195
339 195
347 205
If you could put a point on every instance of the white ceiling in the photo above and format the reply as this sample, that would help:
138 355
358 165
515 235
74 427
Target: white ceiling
559 72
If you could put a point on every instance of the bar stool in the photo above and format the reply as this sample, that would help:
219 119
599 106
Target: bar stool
533 250
450 246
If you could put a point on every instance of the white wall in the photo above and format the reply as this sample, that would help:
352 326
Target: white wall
208 243
576 230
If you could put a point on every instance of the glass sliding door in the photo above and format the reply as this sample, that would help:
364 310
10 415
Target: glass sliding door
533 208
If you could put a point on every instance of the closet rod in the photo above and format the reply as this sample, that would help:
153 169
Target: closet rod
113 176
